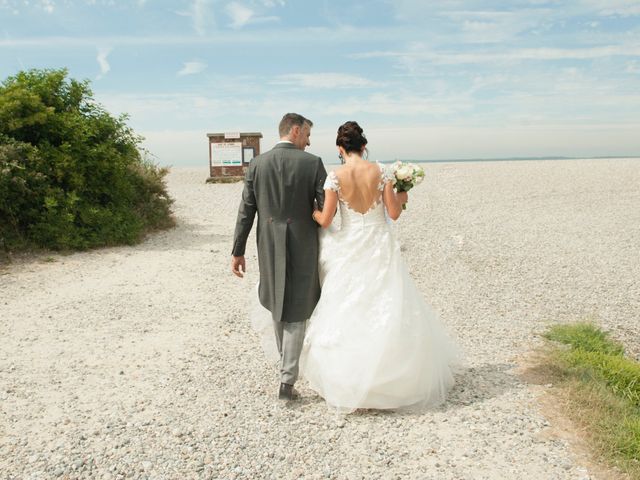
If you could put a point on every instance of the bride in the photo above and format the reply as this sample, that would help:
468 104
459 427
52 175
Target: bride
372 341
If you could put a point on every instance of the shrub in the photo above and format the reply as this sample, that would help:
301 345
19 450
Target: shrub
71 175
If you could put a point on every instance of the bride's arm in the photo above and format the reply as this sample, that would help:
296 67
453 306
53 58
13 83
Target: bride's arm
325 216
393 200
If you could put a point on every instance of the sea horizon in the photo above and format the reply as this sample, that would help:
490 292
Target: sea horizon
459 160
506 159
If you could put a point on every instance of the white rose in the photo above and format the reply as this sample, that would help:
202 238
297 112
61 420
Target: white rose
404 173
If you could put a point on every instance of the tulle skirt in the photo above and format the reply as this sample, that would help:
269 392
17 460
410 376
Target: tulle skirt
372 340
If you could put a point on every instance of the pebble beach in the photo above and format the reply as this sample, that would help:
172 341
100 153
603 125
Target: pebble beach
140 361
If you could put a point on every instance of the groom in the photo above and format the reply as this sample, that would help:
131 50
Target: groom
281 186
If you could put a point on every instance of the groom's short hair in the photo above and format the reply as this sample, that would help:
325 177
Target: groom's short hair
291 119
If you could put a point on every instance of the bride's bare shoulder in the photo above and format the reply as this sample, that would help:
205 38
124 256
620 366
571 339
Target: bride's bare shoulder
373 169
343 171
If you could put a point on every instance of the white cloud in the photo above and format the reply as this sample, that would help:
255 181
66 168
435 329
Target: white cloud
493 26
177 147
279 38
454 58
632 67
164 108
48 5
483 81
323 80
241 15
191 68
401 105
607 8
419 11
201 16
101 58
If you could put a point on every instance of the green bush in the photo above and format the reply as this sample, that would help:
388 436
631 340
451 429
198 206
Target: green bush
71 175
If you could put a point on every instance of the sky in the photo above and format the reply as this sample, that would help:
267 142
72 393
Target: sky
425 79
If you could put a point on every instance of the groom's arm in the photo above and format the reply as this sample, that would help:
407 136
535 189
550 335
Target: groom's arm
321 176
246 213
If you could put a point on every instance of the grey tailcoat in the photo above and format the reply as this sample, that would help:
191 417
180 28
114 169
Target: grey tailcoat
281 186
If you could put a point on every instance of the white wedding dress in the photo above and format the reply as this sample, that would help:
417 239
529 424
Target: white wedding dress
372 341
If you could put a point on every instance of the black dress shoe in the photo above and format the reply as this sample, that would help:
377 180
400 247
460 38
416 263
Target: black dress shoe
287 392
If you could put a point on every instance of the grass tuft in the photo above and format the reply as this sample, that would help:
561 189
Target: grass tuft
584 336
602 389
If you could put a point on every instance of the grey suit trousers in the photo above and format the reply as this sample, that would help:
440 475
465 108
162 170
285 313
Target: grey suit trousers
289 338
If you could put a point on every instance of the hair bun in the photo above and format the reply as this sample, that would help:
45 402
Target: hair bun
351 137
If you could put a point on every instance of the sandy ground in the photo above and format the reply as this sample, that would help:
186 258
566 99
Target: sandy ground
139 362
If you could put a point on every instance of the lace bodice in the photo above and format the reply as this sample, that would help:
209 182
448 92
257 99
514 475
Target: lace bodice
374 215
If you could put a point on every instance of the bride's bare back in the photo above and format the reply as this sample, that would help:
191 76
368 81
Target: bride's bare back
360 185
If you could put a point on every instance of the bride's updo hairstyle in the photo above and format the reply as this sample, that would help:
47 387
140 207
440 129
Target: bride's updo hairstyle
351 138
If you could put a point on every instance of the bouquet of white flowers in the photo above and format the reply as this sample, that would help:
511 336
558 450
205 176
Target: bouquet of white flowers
406 176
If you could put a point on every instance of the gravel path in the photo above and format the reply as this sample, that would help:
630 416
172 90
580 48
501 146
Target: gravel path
139 362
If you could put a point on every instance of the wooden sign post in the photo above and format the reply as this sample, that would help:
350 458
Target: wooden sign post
230 154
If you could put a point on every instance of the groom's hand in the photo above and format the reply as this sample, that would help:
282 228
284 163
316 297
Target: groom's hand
238 266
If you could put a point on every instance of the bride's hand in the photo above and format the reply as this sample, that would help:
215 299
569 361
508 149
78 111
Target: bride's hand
403 197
